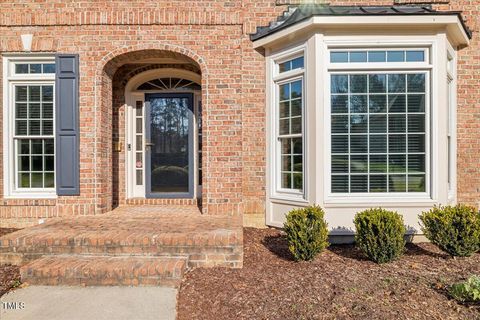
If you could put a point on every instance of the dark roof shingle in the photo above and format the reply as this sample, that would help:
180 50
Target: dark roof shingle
305 11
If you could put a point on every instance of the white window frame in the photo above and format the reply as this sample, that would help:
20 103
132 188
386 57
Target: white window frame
452 123
425 50
380 67
10 80
277 79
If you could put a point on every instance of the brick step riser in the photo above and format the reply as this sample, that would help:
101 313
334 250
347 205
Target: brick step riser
197 256
19 259
70 278
175 283
96 274
120 250
104 271
109 246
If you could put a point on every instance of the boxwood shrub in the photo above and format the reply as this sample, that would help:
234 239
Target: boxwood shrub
454 229
307 232
380 234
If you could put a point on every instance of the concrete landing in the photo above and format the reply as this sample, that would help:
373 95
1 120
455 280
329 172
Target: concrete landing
88 303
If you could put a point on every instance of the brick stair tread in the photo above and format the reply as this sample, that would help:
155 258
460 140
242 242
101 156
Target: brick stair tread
104 270
126 238
15 248
150 231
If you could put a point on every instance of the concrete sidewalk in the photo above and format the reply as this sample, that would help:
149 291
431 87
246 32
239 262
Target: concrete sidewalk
89 303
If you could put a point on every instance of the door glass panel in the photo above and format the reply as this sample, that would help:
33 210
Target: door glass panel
169 149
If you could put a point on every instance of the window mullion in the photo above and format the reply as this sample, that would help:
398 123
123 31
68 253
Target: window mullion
369 187
387 116
349 161
287 136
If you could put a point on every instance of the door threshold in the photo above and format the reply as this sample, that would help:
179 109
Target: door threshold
164 201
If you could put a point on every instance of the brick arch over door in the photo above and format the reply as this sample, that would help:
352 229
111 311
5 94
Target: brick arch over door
109 114
140 69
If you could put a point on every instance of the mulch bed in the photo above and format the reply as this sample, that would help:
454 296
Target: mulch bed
339 284
9 275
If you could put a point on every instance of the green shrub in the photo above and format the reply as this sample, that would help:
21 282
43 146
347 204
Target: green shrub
455 230
307 232
466 291
380 234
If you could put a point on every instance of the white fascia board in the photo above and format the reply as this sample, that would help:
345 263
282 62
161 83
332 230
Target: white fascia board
451 22
283 33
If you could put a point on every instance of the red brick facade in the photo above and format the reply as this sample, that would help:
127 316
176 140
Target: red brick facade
214 35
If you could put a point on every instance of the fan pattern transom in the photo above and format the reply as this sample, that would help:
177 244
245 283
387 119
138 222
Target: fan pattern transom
164 84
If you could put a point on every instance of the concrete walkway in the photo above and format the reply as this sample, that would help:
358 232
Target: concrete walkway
89 303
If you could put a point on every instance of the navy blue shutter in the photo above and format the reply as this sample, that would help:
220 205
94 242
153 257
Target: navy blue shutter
67 152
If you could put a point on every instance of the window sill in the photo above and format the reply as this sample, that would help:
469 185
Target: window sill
30 196
288 198
391 201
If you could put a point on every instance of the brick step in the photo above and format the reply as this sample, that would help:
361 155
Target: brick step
104 271
206 240
201 248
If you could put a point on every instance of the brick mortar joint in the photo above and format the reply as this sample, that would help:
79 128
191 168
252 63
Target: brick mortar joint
28 204
120 24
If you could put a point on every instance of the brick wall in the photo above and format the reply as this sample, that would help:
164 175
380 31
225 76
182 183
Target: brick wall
214 34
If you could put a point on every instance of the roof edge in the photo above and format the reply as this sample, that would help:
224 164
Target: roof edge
295 17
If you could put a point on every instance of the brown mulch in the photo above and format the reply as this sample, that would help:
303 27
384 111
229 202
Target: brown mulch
339 284
9 275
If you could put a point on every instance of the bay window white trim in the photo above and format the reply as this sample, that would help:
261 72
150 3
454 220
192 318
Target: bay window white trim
452 122
275 80
10 80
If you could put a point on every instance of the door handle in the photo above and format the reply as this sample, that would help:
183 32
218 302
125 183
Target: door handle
149 144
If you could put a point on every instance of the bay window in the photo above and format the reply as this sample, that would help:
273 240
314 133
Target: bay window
378 118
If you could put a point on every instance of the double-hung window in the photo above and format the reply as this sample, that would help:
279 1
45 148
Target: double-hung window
289 120
379 121
29 123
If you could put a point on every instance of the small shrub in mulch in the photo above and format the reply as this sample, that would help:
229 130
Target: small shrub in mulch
454 229
307 232
466 291
380 234
338 284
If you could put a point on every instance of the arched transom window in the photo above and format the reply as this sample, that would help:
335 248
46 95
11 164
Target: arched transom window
169 84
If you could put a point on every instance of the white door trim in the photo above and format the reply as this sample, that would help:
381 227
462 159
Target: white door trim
132 96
